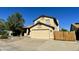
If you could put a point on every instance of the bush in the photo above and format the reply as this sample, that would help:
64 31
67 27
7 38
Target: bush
65 30
4 35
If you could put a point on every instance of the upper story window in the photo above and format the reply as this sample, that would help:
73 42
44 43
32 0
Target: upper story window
47 21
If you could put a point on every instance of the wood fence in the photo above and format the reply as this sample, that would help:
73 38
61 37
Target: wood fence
66 36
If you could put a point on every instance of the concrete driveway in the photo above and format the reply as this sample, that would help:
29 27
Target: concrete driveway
28 44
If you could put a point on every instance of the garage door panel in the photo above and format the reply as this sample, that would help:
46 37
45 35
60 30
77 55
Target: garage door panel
40 34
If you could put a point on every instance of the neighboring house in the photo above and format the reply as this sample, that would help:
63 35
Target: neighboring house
75 27
43 28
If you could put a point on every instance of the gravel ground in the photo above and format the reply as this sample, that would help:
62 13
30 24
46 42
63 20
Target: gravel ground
28 44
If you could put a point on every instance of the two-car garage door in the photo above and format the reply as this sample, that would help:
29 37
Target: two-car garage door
40 34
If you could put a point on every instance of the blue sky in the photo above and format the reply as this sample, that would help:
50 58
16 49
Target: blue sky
65 15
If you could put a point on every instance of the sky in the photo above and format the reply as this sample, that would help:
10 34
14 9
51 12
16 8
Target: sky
65 15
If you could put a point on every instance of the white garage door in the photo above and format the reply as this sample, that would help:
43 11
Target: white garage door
40 34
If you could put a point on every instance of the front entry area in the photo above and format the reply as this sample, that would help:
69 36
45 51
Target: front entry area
40 33
77 34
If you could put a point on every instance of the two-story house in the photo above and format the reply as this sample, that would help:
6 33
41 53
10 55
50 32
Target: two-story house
44 27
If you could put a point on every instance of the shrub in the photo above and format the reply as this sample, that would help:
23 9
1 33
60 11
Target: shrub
65 30
4 35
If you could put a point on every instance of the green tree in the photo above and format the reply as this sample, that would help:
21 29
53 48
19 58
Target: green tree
2 24
3 29
64 29
15 22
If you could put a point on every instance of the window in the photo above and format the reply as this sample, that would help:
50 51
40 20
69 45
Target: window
47 21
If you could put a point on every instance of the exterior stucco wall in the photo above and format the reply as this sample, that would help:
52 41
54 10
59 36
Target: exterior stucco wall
41 27
52 34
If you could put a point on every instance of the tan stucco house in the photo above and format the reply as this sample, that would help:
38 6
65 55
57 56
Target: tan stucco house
43 27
